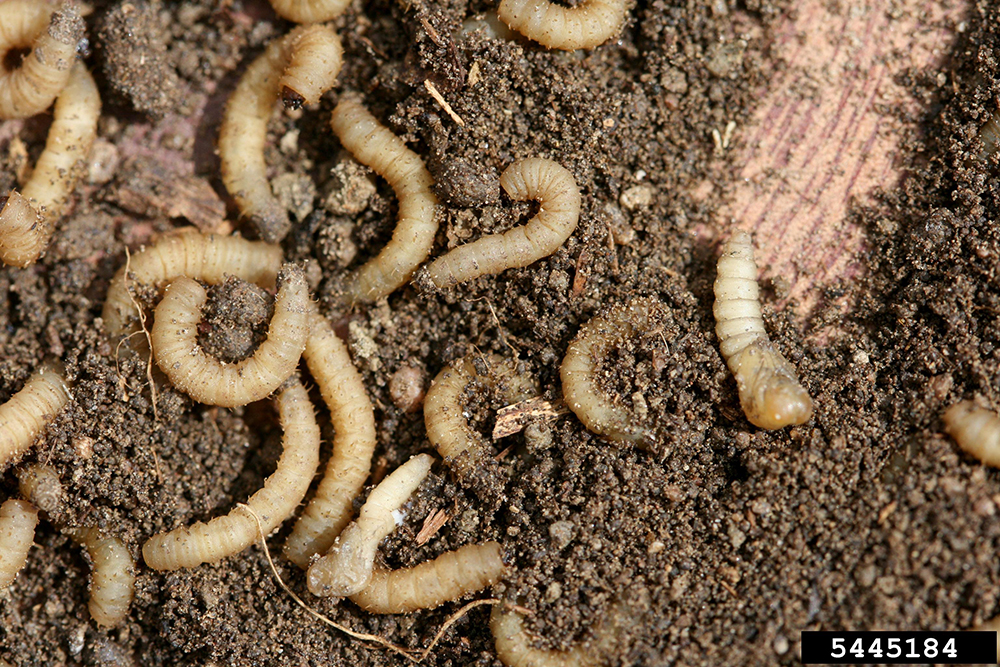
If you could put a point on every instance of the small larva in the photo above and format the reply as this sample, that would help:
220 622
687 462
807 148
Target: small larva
18 519
989 135
447 578
30 410
588 24
40 484
976 430
227 535
354 440
298 68
770 393
205 378
309 11
553 186
112 577
374 145
513 645
992 625
347 567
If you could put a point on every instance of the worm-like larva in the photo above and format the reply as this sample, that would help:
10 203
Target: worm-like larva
283 490
592 406
347 567
354 440
770 393
447 578
18 519
28 219
976 430
208 380
28 411
112 577
590 23
309 11
376 146
553 186
298 68
40 484
989 134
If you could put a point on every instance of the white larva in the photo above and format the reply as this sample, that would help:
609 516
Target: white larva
40 484
976 430
18 519
590 23
30 410
112 577
309 11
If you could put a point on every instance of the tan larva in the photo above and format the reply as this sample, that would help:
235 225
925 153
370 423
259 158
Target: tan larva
227 535
28 218
40 484
18 519
347 567
297 68
553 186
588 24
353 420
447 578
309 11
513 645
770 393
976 430
989 135
208 380
112 577
29 411
374 145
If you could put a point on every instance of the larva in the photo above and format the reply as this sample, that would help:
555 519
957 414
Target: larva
770 393
447 578
989 135
227 535
112 577
40 484
592 406
30 410
299 67
28 218
309 11
553 186
374 145
208 380
976 430
347 567
354 440
18 519
588 24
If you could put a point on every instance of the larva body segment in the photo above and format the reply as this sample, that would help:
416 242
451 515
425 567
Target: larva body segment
29 411
112 578
40 484
513 645
770 393
227 535
347 567
553 186
309 11
976 430
18 519
585 26
314 60
447 578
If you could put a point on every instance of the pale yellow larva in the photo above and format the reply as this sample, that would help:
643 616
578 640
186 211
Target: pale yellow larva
227 535
29 411
18 519
770 393
40 484
976 430
374 145
354 440
298 67
208 380
309 11
447 578
553 186
347 567
112 577
513 645
590 23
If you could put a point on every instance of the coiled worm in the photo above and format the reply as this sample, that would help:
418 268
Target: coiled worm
590 23
112 577
347 567
29 411
227 535
770 393
309 11
299 67
40 484
18 519
558 196
976 430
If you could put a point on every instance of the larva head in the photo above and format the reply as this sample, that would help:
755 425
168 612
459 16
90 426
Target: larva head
770 394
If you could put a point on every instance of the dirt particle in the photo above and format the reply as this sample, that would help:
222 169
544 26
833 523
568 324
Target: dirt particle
561 534
406 388
348 189
235 319
464 183
637 196
363 346
102 162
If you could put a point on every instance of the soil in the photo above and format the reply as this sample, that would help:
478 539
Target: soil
720 544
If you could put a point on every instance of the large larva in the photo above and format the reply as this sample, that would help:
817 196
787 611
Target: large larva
18 519
208 380
227 535
770 393
354 440
112 577
40 484
30 410
299 67
347 567
976 430
309 11
374 145
447 578
588 24
553 186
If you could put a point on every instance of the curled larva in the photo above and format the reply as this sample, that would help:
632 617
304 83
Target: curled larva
40 484
976 430
347 567
18 519
447 578
553 186
227 535
354 440
298 68
208 380
112 577
374 145
27 218
28 411
309 11
590 23
579 371
770 393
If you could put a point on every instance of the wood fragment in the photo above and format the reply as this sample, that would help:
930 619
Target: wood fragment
513 418
432 524
432 89
580 276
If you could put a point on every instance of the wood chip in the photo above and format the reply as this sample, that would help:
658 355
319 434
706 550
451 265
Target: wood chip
580 276
886 512
432 524
432 89
513 418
